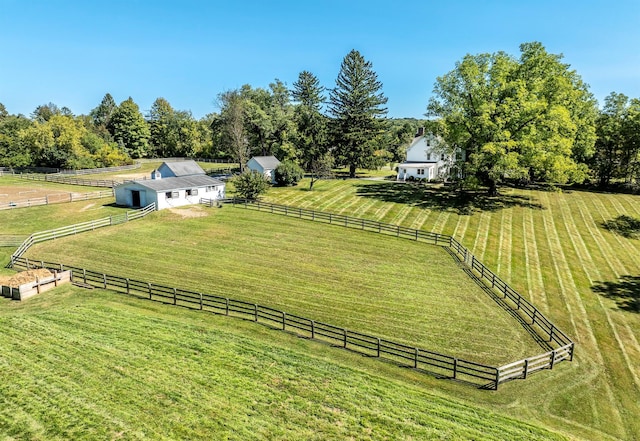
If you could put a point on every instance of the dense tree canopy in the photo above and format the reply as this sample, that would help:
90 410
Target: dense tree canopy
129 129
356 104
527 118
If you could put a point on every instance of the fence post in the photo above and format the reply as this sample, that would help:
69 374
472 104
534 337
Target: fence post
551 333
497 378
571 351
84 276
526 368
345 337
226 306
398 231
284 320
455 367
415 362
175 295
535 311
27 260
104 280
55 278
149 284
127 286
255 311
378 355
553 358
313 329
200 301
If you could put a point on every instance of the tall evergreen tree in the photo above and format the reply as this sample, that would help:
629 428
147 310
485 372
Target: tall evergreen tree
311 124
130 130
101 116
356 103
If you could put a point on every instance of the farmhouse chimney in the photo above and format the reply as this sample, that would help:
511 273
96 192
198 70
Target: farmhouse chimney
156 175
420 131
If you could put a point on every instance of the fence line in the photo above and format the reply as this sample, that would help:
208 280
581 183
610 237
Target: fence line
56 198
11 240
424 360
539 323
61 179
91 171
69 230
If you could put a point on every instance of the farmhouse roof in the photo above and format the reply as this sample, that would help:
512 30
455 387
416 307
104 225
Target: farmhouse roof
267 162
184 168
181 183
417 164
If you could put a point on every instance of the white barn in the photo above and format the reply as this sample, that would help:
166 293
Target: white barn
424 161
173 184
266 165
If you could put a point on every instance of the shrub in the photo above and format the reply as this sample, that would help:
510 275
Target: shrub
250 184
288 174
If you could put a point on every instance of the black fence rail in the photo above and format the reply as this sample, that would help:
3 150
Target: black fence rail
533 318
423 360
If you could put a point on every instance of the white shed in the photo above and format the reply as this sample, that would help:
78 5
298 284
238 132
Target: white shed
184 185
266 165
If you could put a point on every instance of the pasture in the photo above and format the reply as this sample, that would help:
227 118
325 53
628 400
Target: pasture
392 288
554 247
80 364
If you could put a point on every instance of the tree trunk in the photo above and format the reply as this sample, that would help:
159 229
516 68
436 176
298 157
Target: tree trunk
493 188
352 170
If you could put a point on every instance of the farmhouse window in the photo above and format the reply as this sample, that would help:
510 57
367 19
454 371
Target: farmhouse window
421 171
428 156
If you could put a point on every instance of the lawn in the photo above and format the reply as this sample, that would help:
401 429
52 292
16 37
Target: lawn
80 364
393 288
557 249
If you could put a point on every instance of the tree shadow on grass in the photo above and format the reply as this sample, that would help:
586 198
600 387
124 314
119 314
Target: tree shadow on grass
624 225
625 292
442 198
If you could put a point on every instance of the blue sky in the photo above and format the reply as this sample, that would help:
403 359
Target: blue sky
71 53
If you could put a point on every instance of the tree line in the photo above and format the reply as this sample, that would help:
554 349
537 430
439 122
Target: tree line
527 119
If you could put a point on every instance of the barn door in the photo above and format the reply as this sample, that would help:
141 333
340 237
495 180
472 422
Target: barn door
135 198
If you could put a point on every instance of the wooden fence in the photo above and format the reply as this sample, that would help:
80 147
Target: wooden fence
43 236
95 171
11 240
56 198
422 359
541 326
61 179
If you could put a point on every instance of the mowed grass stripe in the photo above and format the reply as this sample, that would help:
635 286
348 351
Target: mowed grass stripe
608 259
143 370
364 281
503 266
595 307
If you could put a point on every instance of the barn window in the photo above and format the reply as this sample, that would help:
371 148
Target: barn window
175 194
192 192
428 156
168 195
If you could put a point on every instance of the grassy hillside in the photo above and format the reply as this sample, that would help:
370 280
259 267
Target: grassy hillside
554 248
396 289
80 364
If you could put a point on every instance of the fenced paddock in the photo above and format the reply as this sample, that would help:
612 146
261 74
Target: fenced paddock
13 197
562 347
424 360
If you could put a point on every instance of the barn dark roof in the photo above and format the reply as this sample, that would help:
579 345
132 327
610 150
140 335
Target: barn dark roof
181 183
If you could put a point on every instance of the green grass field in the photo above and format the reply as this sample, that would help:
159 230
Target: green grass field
553 247
396 289
80 364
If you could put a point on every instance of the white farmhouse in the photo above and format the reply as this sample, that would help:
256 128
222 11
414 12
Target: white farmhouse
424 161
266 165
173 184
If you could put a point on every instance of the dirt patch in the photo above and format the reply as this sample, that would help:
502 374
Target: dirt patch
191 212
24 277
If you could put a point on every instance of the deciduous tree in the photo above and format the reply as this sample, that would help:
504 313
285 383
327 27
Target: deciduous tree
129 129
527 118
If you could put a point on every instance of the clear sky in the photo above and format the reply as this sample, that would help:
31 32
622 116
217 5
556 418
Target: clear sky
72 53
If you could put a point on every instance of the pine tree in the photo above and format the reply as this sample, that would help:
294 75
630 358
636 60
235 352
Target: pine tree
356 104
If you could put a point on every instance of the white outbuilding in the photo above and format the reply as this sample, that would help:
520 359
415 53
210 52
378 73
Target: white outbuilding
266 165
173 184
